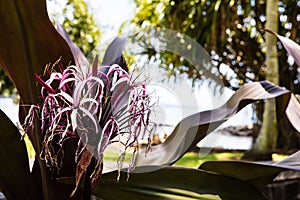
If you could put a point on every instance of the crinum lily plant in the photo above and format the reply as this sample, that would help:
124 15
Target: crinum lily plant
78 110
100 107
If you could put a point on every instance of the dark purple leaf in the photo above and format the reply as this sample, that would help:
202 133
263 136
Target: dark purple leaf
114 53
192 129
292 47
28 42
15 178
293 112
171 183
256 174
79 57
291 162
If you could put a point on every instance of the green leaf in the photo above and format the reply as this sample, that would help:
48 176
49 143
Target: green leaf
171 183
256 174
15 178
192 129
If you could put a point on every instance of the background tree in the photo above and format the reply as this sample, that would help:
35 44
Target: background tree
6 86
232 31
267 139
80 25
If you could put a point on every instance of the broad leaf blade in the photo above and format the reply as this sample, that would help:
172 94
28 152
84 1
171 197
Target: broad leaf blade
172 183
291 162
292 47
192 129
28 42
114 53
256 174
15 178
293 112
79 57
293 109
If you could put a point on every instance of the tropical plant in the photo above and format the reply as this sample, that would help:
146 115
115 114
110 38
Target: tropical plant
24 55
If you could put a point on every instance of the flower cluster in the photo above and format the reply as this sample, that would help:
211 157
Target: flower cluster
100 107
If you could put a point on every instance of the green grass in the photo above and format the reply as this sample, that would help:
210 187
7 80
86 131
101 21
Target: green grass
188 160
195 160
113 156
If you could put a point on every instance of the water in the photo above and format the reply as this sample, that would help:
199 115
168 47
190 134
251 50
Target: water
170 115
220 141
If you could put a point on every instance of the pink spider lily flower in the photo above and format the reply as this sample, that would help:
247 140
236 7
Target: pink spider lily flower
104 107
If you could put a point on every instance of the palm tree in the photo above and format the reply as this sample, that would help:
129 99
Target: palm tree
267 138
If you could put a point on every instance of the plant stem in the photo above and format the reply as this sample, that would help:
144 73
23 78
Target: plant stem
44 175
87 189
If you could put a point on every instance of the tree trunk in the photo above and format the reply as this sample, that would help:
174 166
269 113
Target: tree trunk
267 139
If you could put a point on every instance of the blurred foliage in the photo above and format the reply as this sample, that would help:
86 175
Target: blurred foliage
80 25
192 159
232 32
6 86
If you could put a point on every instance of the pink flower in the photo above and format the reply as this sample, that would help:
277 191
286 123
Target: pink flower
104 107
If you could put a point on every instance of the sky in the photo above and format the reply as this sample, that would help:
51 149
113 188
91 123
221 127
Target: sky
110 14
